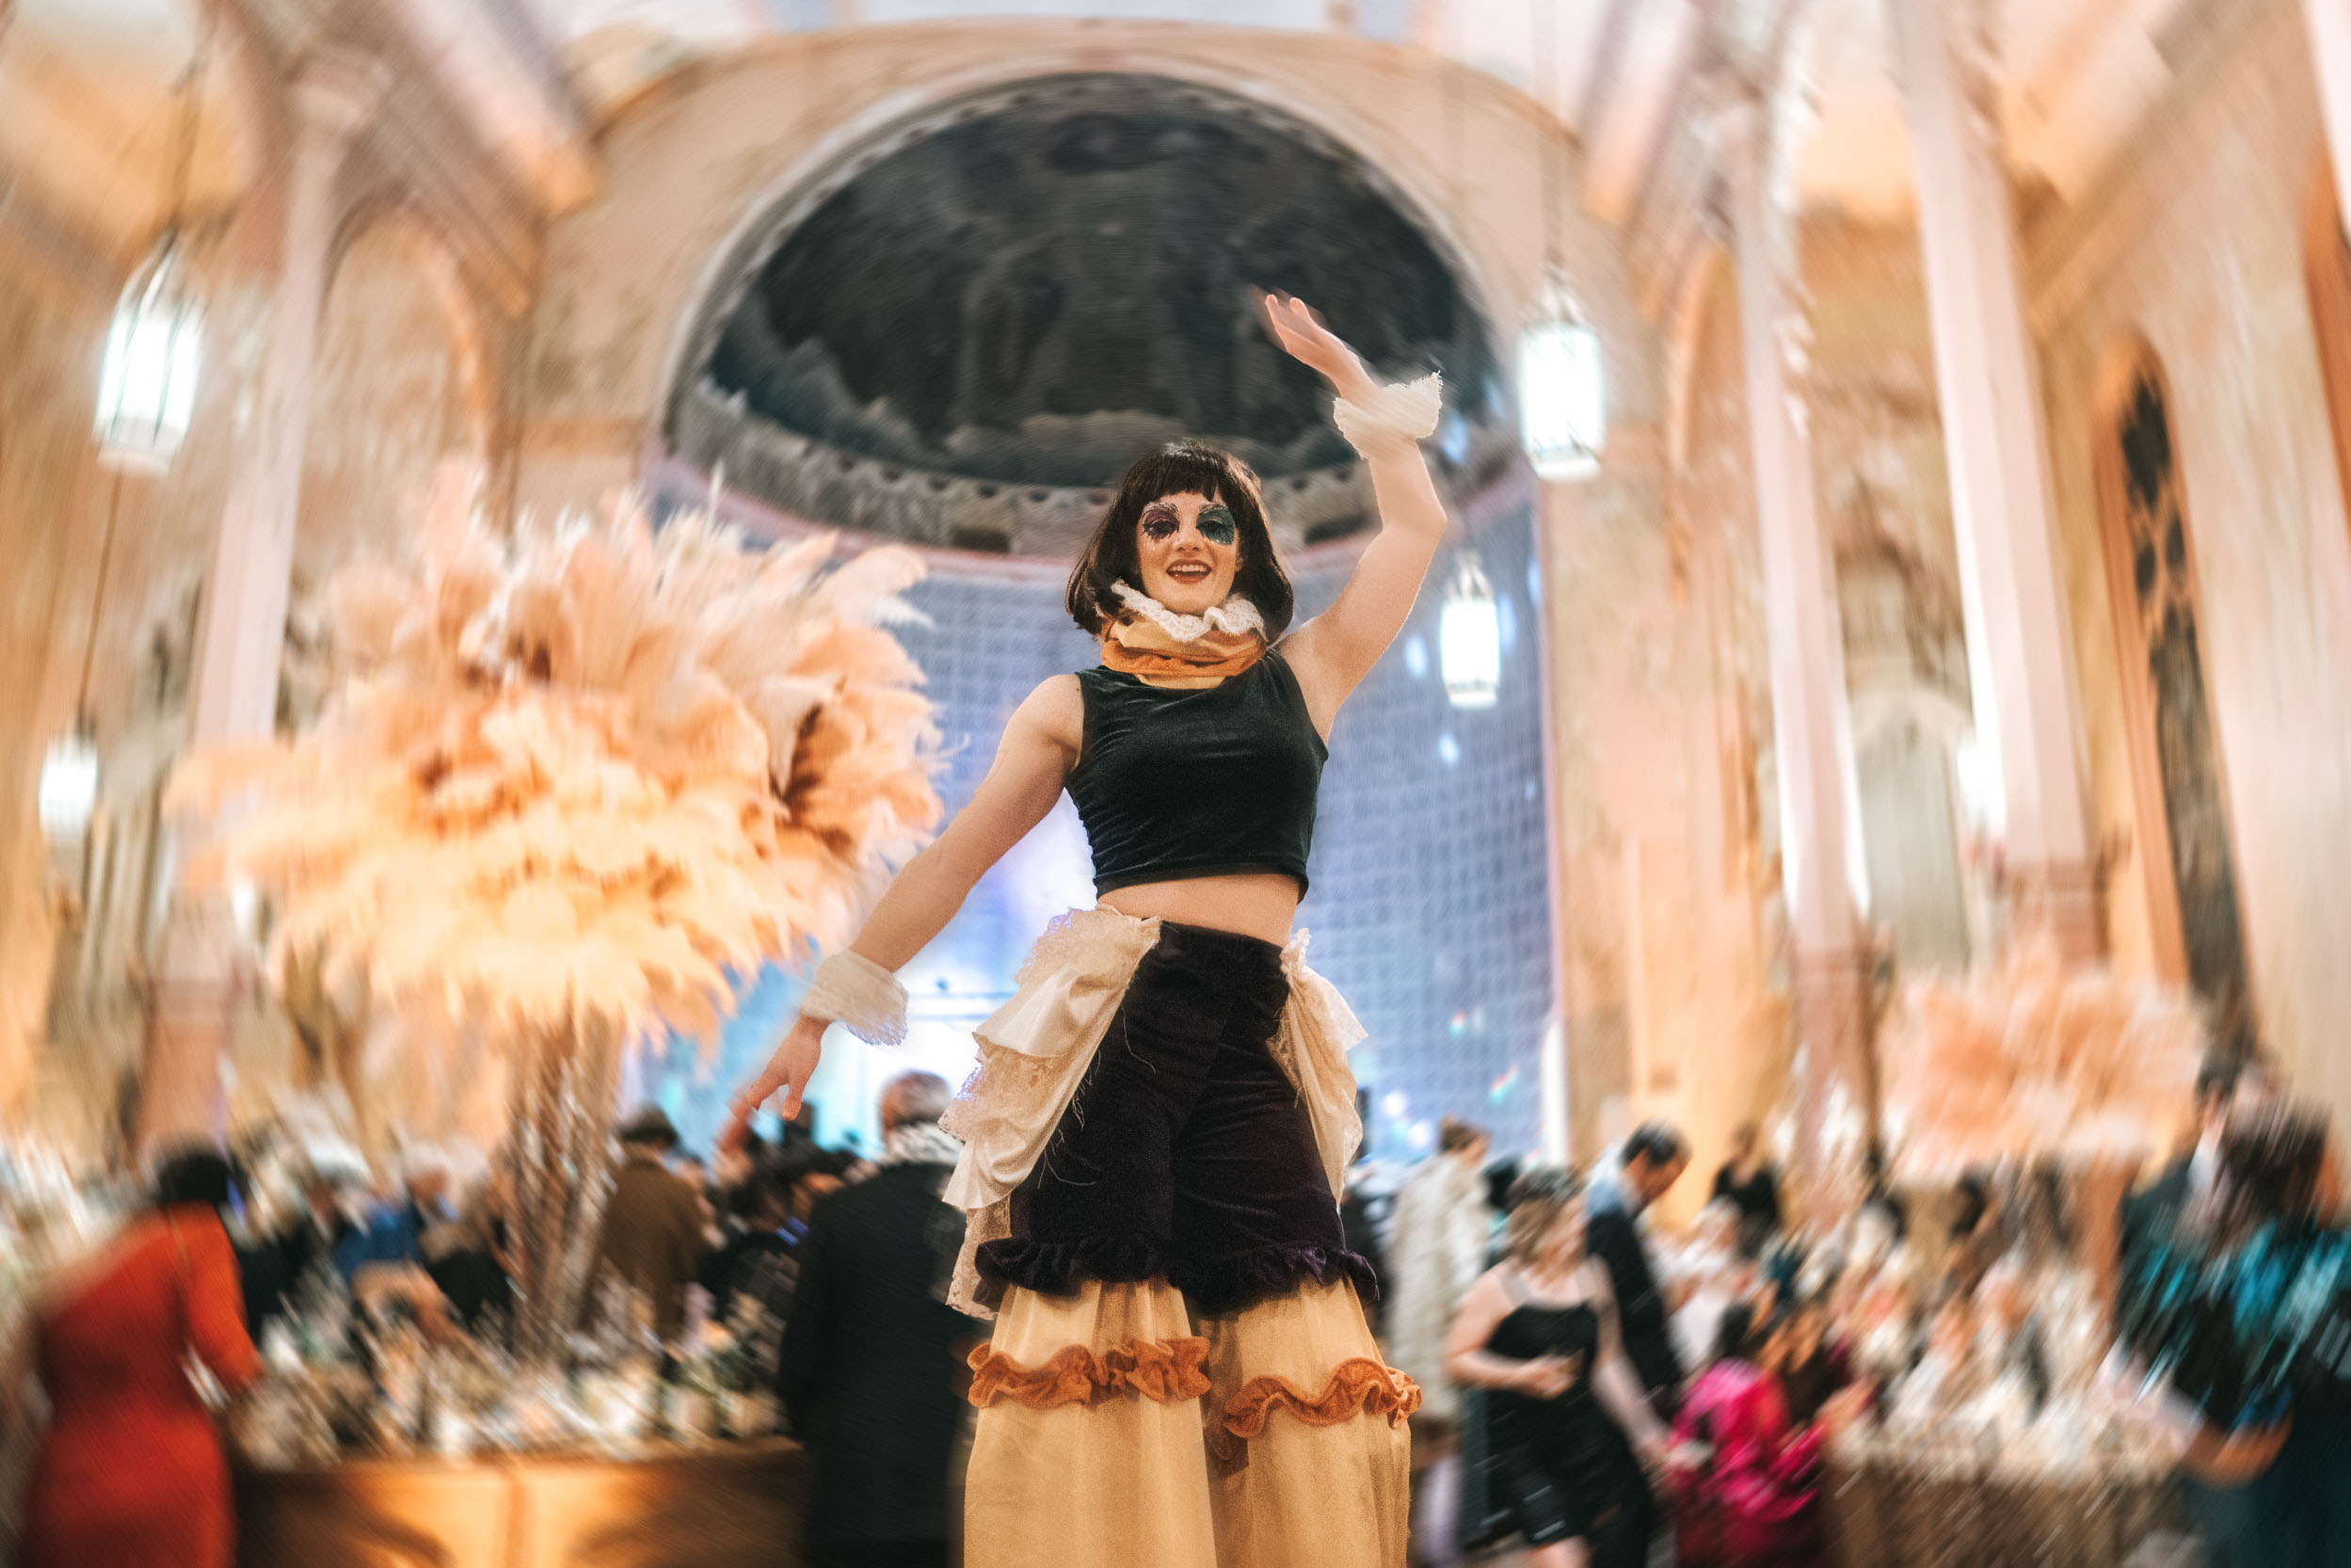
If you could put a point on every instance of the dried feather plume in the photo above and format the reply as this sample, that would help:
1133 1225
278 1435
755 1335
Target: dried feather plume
584 780
2034 1060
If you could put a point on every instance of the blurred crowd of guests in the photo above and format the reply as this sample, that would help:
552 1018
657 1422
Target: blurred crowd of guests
2212 1317
1597 1391
848 1251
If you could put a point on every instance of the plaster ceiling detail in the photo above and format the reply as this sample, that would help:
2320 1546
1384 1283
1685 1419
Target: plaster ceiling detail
982 326
90 95
2076 76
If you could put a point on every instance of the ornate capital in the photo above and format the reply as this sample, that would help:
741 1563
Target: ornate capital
335 93
1730 104
1967 32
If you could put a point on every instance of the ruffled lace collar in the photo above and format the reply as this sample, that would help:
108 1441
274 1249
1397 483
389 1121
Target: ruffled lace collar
1235 615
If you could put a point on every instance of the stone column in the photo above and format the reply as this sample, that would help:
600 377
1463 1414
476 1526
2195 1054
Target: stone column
233 695
2019 651
1811 735
2329 24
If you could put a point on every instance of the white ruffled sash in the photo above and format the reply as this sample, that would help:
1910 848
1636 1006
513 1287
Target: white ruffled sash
1034 1051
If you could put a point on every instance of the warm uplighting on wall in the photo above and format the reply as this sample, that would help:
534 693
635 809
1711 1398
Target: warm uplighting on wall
1469 638
154 349
69 784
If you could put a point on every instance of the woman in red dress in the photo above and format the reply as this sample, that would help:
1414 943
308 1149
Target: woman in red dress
131 1473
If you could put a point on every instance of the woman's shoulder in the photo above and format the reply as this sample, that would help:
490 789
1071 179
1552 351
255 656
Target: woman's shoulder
1056 709
1499 1286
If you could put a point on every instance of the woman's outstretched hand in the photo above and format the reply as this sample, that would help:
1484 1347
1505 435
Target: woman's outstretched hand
787 1073
1304 338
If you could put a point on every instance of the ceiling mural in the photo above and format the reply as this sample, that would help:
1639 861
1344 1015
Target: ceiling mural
1055 279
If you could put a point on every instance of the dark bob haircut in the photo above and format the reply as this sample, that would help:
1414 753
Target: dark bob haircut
1176 469
194 1176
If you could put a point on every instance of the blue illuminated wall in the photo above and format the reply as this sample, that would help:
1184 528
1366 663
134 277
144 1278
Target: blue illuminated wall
1429 907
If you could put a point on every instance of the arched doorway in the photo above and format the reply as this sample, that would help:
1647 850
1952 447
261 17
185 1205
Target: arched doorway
2183 796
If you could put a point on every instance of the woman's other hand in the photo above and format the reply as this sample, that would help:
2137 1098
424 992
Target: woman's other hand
787 1073
1546 1377
1304 338
2237 1458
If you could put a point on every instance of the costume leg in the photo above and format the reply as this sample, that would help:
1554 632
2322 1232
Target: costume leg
1311 1458
1087 1452
1307 1437
1099 1203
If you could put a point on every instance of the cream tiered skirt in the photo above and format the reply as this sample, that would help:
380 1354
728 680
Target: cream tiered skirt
1117 1431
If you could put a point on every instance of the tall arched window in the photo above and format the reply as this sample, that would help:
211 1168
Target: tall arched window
2183 799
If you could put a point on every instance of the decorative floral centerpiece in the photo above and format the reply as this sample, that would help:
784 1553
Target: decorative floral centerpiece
569 789
2032 1060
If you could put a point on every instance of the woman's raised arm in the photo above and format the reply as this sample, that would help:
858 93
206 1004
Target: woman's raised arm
1332 653
1040 746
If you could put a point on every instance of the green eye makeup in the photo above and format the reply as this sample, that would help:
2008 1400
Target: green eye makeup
1216 524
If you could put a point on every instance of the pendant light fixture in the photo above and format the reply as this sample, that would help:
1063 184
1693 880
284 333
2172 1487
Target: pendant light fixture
156 344
146 393
1562 382
1470 637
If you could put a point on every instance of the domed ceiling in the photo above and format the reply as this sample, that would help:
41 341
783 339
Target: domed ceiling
964 339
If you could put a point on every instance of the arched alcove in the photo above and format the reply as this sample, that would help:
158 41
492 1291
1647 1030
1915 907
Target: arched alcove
2185 840
964 330
1906 690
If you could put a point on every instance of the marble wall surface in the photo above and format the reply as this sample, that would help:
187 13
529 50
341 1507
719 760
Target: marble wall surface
2193 246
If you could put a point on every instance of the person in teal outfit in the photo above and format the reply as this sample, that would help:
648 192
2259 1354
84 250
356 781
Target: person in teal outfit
2244 1309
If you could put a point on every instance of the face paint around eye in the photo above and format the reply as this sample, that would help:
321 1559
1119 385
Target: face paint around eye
1159 524
1217 525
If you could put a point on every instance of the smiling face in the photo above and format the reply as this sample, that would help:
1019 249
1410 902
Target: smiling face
1188 546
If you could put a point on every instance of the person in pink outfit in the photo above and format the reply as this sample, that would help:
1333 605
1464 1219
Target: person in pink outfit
1748 1478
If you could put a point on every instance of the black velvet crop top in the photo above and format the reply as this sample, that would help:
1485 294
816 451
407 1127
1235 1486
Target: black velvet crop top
1177 784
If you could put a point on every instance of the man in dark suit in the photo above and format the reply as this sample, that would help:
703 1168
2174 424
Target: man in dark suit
1650 1161
872 1352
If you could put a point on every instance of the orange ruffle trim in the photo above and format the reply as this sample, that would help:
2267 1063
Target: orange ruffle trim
1166 1371
1359 1386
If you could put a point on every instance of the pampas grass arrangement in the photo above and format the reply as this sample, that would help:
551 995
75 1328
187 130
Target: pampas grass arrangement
570 790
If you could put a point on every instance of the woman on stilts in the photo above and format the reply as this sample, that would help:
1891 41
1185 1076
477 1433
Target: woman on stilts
1180 1375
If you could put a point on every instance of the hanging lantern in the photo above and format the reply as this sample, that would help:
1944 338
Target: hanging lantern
68 784
1562 389
1470 639
147 390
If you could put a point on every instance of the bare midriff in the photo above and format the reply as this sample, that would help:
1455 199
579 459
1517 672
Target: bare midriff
1257 904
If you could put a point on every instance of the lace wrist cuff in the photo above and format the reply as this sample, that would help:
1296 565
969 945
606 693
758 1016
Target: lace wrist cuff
1392 417
851 989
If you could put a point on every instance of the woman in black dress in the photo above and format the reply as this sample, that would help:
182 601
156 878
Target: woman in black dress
1566 1416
